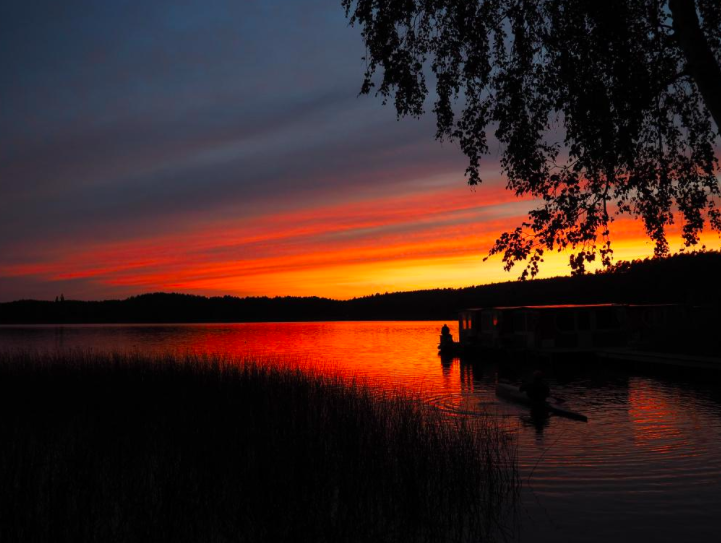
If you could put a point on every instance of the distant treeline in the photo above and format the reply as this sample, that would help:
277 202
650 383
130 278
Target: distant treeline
685 278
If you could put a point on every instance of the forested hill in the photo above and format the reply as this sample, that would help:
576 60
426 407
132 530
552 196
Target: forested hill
689 278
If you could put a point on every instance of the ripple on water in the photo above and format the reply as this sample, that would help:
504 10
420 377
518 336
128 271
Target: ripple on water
647 465
647 452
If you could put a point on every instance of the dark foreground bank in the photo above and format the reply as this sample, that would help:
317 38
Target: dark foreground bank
118 448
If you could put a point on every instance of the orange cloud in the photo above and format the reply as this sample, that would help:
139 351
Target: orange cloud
436 237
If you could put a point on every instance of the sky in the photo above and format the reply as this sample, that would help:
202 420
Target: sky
220 147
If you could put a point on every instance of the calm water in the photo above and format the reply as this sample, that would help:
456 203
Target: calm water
647 465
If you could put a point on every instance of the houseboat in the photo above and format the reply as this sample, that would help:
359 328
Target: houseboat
680 335
559 328
578 327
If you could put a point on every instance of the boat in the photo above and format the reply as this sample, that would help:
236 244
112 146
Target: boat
514 394
448 347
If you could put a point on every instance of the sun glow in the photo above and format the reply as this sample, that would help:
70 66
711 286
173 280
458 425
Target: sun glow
436 238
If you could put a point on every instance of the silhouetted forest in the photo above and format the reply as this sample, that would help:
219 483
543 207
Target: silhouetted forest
684 278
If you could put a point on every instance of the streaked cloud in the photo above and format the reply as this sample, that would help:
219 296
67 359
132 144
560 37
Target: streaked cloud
219 147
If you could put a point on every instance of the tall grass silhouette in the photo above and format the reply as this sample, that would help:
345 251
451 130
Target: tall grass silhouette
140 448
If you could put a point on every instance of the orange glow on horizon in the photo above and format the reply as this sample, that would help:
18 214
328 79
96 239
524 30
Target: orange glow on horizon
435 238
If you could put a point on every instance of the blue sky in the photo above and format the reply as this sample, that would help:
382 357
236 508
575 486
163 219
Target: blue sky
130 130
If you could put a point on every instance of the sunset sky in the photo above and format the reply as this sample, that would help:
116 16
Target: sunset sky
220 147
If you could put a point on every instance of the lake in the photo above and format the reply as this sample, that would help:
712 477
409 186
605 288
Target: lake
647 465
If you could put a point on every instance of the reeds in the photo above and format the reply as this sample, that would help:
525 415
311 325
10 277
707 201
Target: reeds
133 448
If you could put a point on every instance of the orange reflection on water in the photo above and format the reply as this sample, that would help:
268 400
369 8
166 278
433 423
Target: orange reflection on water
645 464
655 419
387 354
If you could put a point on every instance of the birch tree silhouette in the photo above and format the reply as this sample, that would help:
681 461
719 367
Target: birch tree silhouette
601 108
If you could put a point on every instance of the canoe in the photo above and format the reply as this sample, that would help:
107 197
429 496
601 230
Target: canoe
448 347
513 394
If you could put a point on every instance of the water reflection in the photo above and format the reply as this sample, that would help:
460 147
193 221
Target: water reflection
645 466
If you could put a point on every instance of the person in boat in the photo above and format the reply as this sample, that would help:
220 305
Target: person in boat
446 338
537 390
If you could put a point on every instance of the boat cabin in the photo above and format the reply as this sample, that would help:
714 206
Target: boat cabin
577 327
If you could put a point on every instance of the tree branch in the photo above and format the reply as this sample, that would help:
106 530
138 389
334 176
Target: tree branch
700 61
